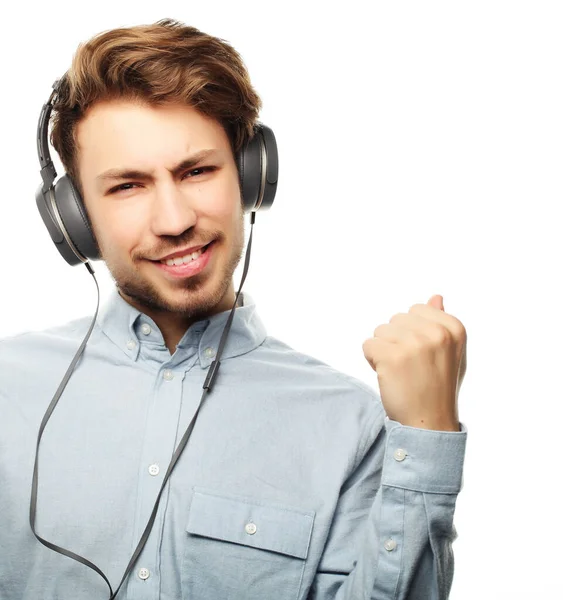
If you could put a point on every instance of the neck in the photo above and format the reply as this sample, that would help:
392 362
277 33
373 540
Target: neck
173 325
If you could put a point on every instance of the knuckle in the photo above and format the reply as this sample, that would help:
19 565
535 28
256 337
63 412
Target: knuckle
442 336
378 330
418 342
460 333
397 317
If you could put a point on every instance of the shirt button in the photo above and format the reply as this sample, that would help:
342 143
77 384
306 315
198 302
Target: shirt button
209 352
144 573
131 344
250 528
146 328
390 545
168 375
154 469
399 454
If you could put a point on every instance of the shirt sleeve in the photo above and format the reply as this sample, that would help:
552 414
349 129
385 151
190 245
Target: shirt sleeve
392 533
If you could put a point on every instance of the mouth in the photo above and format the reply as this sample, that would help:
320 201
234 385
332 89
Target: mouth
188 265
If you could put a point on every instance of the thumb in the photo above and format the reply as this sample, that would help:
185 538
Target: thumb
437 301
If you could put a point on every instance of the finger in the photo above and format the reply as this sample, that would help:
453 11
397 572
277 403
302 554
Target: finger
391 332
414 324
420 329
454 325
377 349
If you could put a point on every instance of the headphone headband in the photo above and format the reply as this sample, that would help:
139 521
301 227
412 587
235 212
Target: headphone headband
48 172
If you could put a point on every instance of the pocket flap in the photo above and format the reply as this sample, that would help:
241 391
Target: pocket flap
274 527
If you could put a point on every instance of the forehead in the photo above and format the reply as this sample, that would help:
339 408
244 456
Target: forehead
116 132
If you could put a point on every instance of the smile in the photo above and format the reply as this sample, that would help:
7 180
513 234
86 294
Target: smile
189 265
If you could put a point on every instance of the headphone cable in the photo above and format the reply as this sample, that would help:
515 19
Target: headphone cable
207 387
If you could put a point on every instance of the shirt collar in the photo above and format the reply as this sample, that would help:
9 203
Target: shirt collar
124 324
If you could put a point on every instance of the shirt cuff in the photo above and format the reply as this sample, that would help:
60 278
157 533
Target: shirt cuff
424 460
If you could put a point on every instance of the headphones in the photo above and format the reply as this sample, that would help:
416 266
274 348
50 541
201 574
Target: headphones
63 212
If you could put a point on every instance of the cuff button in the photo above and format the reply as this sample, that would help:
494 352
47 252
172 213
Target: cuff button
399 454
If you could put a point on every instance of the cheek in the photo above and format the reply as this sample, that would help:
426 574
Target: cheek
225 203
117 231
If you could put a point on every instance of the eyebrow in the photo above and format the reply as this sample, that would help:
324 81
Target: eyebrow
126 173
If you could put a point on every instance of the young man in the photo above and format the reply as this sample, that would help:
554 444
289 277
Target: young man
298 481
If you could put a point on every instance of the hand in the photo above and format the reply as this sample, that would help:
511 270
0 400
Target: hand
420 360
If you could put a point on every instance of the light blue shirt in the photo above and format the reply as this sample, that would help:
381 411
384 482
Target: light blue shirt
293 485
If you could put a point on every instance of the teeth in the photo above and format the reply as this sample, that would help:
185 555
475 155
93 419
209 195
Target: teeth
180 260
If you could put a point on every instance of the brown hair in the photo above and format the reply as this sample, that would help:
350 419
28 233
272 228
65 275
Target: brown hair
161 63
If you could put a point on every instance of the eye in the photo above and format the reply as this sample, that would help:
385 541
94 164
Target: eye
120 188
197 172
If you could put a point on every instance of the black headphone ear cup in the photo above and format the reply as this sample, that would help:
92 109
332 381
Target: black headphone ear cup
74 218
257 164
249 162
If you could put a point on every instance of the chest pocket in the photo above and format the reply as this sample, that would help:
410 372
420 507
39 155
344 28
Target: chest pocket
244 549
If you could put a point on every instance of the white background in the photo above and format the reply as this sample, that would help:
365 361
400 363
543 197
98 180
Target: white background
421 152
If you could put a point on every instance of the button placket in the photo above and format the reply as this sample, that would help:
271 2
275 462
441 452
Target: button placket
162 421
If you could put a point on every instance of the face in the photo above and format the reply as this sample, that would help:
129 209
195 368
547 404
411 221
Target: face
157 181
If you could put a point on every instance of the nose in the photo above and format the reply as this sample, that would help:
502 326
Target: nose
172 210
